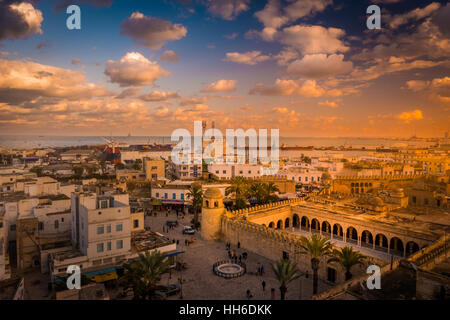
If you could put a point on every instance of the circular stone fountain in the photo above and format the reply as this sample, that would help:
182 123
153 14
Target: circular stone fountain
229 269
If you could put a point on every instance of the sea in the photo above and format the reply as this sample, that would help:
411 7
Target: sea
31 142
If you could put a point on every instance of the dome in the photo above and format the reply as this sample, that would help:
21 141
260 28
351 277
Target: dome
377 202
213 193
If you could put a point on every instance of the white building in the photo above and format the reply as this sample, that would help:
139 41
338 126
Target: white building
229 171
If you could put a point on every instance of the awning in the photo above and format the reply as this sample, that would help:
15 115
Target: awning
174 254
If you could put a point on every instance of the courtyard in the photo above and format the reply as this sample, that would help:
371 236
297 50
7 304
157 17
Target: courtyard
199 281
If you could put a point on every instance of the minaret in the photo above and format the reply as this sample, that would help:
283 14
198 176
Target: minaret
212 212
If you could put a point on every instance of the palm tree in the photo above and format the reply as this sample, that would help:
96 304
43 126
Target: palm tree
270 189
317 247
347 258
285 272
144 274
238 188
257 192
196 194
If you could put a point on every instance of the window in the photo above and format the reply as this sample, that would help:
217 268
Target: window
100 230
312 179
299 179
165 195
217 171
104 204
157 194
154 176
119 244
119 227
174 196
414 199
108 228
62 219
306 179
331 274
40 226
12 227
100 247
182 196
136 223
224 171
108 246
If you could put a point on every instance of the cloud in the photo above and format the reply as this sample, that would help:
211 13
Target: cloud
228 9
232 36
159 96
274 16
169 56
279 88
414 15
151 32
42 45
128 93
221 86
417 85
134 69
313 39
75 61
407 117
19 20
24 80
250 57
329 104
308 89
319 66
285 56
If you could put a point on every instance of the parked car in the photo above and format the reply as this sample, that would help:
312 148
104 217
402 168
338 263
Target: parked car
188 230
171 223
170 290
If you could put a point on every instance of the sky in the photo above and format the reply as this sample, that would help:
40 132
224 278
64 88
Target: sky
310 68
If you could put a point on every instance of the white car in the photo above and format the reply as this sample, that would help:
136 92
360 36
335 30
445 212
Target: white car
188 230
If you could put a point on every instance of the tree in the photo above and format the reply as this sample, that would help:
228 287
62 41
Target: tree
144 274
285 271
196 194
347 258
257 191
78 171
317 247
238 188
270 189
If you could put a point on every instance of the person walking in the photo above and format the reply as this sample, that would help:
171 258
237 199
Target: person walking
272 294
263 283
239 244
249 294
262 269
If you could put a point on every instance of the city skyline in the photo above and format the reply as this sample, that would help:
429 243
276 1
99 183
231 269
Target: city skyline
309 68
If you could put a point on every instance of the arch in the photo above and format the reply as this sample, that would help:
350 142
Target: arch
326 227
296 221
367 239
207 203
411 248
338 231
287 223
315 225
352 235
216 204
396 246
280 224
381 242
305 223
271 225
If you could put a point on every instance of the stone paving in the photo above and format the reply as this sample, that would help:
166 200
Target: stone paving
199 281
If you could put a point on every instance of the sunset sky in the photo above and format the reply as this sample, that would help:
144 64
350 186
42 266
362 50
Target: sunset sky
310 68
